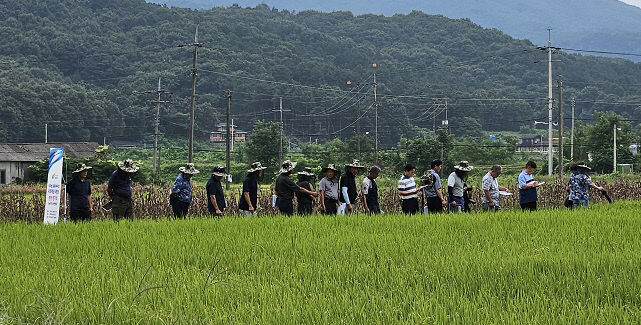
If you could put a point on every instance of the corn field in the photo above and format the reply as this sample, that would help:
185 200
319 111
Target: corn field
26 203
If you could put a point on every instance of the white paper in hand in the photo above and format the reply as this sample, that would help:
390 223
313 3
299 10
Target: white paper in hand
342 208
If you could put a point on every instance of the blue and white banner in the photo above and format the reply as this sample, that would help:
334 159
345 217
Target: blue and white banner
54 186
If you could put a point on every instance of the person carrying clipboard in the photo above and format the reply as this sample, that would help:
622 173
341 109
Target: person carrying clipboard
528 196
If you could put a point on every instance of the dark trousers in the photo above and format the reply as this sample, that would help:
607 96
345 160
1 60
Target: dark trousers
410 206
374 209
434 204
180 208
330 206
121 208
530 206
80 215
305 209
285 206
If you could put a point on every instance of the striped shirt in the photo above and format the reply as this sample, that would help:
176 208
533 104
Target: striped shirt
407 184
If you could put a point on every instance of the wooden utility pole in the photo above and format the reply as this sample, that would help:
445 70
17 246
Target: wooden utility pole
281 110
572 133
46 132
158 102
375 115
228 137
194 72
560 84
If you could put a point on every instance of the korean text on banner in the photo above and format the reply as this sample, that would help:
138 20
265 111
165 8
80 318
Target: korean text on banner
54 186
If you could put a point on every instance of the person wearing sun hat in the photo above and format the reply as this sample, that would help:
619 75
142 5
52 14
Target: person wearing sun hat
328 188
216 202
579 186
305 201
181 194
249 200
349 193
286 188
456 186
79 191
119 190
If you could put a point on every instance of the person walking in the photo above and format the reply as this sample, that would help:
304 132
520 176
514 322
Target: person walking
181 194
249 200
305 201
528 196
369 191
434 194
408 191
119 190
79 191
286 188
328 188
491 200
580 184
349 193
216 202
456 187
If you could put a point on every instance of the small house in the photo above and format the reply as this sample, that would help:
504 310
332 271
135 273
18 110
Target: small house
15 158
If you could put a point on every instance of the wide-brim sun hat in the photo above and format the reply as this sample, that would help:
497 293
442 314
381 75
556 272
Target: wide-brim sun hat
582 165
189 169
257 166
331 167
307 172
219 171
287 166
356 164
464 166
128 166
81 168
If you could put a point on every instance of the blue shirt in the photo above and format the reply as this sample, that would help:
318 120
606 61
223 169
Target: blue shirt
529 195
431 192
120 183
182 189
580 186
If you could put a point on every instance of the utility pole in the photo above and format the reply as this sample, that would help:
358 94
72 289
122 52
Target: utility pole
228 137
281 110
560 84
614 164
375 116
194 72
572 133
358 127
46 132
447 121
550 105
158 102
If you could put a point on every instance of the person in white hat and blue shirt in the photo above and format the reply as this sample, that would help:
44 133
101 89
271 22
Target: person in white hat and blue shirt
181 194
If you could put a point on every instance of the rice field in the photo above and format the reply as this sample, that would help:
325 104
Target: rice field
553 266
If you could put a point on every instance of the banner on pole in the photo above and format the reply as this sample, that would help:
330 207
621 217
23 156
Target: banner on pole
54 186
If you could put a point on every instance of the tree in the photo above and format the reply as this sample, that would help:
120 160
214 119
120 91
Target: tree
263 144
600 141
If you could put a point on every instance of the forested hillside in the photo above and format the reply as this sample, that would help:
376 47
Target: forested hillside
90 63
595 24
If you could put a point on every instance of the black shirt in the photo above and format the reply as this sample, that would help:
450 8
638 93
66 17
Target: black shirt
214 188
79 192
250 185
304 199
120 183
348 180
285 187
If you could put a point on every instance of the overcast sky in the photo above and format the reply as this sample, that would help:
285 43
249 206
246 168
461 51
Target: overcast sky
633 2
